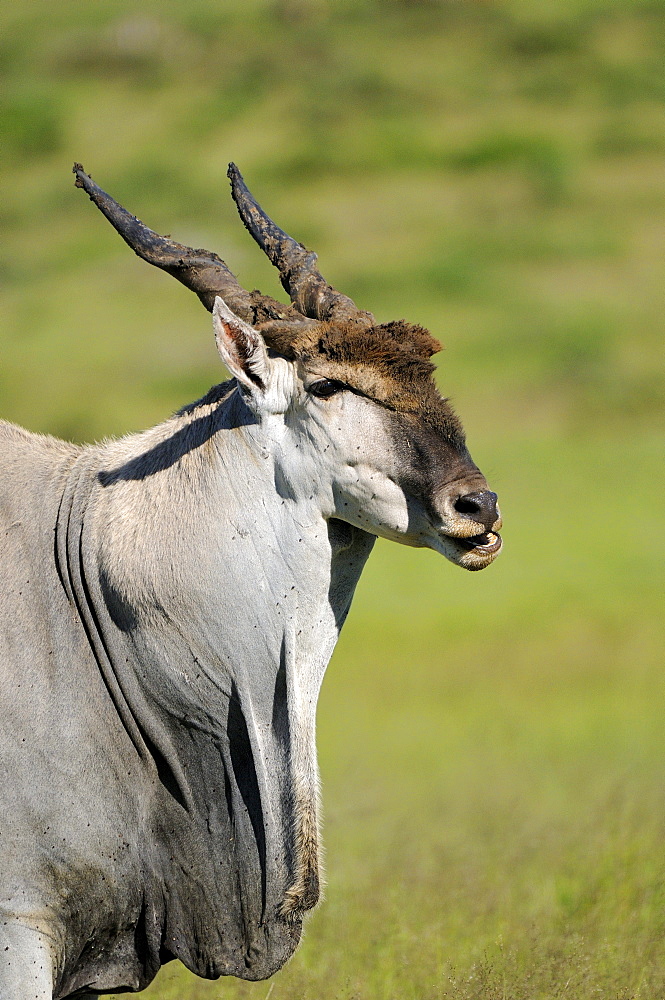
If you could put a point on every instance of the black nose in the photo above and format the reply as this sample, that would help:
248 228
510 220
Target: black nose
479 506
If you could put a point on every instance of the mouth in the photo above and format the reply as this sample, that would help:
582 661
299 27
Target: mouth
487 544
472 552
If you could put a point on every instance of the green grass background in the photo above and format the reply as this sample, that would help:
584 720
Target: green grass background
492 745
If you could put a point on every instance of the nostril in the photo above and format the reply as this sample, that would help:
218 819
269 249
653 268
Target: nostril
467 504
481 506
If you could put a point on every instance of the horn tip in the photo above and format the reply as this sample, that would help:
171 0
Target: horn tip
80 175
238 185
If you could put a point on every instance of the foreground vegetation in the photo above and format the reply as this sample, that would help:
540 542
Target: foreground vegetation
491 745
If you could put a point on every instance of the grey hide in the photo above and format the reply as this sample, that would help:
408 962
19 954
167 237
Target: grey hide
152 720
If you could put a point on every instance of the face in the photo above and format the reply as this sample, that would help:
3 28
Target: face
359 427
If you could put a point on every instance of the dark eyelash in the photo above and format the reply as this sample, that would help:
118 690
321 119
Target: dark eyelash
325 388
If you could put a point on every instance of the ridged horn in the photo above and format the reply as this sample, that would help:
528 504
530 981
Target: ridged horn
201 270
310 293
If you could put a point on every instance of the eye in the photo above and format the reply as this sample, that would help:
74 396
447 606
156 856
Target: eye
326 387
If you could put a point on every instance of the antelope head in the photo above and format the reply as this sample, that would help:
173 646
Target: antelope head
350 407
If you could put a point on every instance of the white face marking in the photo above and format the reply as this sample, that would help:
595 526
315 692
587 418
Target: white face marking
350 460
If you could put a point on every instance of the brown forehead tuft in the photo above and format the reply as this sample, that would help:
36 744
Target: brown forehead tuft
390 342
389 363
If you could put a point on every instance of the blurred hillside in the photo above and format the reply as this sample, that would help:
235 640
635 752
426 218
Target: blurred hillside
492 169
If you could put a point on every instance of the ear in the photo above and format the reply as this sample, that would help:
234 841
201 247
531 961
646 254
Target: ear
241 347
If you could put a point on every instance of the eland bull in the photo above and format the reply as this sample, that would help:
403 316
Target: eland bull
168 605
